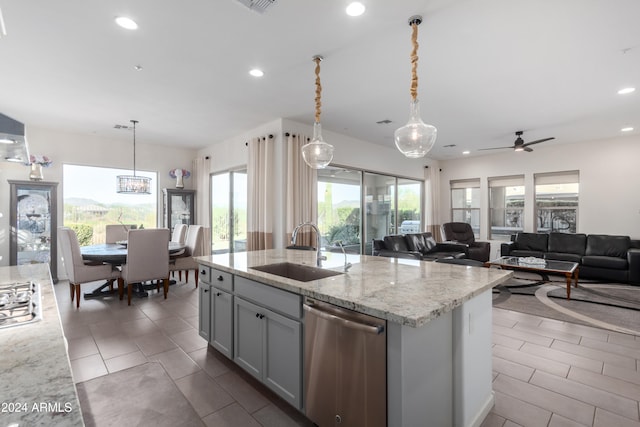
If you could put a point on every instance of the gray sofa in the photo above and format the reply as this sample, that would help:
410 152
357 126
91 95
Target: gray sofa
420 246
600 256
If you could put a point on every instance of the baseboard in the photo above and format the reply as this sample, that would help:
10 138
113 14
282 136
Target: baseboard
484 411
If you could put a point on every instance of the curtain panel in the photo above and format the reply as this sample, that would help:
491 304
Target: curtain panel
301 192
260 189
432 201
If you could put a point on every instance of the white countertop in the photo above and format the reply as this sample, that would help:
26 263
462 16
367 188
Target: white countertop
36 386
408 292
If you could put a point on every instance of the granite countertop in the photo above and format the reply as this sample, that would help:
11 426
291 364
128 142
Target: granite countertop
36 386
404 291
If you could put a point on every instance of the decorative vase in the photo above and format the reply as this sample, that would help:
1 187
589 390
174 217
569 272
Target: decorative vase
35 174
179 182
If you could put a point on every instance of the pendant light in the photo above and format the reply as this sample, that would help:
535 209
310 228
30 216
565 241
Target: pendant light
317 153
415 139
132 184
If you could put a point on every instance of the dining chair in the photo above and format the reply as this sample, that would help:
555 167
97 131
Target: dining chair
179 233
117 232
78 270
147 259
178 236
193 248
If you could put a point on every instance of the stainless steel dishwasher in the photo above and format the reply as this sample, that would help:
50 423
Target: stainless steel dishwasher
345 366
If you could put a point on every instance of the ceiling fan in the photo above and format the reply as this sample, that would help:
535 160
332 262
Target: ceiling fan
519 144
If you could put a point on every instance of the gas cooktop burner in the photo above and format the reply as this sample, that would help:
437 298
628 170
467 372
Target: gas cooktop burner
19 304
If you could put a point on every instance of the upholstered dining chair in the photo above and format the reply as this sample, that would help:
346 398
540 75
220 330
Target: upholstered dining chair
117 232
179 234
78 270
185 262
147 259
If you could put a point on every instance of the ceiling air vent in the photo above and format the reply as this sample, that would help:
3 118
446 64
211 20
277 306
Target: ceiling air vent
259 6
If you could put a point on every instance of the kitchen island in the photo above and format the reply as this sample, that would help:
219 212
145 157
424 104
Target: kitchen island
36 386
438 324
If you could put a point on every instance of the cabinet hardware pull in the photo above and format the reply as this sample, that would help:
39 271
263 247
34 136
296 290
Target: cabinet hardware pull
220 278
262 316
218 294
257 315
203 272
206 290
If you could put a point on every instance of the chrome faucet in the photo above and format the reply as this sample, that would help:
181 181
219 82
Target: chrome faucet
347 265
294 235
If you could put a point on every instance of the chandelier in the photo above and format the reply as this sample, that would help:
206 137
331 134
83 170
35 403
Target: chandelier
132 184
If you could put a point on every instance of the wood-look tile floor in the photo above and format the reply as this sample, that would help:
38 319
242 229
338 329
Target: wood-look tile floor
545 372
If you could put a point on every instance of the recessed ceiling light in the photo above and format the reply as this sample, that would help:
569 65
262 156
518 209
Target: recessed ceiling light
626 129
466 152
355 9
127 23
256 72
626 90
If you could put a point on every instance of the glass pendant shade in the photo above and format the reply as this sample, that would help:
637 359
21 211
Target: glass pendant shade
317 153
415 139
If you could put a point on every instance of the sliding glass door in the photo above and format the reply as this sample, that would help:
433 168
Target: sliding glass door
229 212
355 207
339 219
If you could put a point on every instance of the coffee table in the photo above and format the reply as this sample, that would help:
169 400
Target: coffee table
569 269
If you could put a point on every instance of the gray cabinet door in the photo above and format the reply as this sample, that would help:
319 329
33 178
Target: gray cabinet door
204 312
222 321
283 357
248 335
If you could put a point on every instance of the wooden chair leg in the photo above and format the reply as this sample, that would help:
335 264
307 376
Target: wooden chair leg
71 290
180 275
166 287
120 288
186 276
129 291
196 273
77 295
111 284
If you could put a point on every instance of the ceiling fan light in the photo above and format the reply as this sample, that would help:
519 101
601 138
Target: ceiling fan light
416 138
520 148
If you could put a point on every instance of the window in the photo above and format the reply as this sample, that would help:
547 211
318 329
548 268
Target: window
557 202
229 212
465 203
91 202
506 206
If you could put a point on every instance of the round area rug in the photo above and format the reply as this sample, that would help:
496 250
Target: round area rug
611 306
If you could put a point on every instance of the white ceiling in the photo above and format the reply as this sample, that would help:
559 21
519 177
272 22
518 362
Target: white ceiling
487 68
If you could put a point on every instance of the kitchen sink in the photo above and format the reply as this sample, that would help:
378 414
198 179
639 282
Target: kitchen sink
301 273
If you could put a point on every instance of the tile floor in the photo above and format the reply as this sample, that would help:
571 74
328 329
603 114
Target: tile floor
546 372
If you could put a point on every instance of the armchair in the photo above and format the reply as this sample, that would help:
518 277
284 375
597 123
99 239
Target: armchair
461 232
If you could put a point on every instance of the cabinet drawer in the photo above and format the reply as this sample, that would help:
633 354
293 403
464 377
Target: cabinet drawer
272 298
219 279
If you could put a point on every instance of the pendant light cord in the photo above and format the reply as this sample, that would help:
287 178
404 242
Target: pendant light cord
134 146
317 60
414 61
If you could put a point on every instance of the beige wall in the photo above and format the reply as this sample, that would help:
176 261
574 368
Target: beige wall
609 177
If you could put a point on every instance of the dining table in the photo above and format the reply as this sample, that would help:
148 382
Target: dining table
116 254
